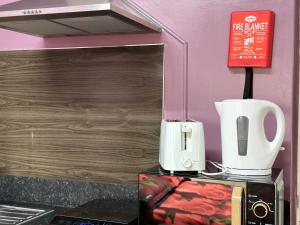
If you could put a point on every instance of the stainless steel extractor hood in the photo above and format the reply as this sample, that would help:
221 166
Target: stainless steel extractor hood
74 17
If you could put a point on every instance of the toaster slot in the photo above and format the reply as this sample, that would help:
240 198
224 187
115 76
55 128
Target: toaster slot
186 135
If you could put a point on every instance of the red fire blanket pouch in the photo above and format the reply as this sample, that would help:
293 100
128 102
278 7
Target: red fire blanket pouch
251 39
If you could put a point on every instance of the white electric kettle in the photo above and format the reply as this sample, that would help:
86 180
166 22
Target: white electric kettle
245 148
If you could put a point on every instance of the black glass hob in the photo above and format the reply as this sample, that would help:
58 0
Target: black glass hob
100 212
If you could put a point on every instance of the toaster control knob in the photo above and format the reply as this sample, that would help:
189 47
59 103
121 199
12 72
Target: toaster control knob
260 209
187 163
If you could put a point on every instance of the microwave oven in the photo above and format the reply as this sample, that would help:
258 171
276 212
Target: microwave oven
191 198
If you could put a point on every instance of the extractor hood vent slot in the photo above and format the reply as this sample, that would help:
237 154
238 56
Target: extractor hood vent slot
109 24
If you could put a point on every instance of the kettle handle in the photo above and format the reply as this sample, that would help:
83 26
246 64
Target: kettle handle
280 119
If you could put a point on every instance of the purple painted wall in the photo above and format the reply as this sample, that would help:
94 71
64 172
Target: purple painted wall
205 25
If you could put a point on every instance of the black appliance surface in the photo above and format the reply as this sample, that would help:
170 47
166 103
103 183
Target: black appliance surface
100 212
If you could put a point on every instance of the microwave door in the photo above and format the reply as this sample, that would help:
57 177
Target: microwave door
237 206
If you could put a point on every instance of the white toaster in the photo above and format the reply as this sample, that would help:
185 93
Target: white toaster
182 146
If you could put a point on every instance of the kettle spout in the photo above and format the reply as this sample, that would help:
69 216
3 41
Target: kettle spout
218 106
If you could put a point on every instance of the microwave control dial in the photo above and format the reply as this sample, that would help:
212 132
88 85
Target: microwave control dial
260 209
187 163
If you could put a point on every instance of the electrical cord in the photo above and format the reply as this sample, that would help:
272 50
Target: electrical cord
248 88
218 166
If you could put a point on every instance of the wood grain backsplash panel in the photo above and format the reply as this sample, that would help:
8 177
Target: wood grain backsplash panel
88 114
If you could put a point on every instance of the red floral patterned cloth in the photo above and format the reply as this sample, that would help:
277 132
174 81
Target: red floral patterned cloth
196 203
153 188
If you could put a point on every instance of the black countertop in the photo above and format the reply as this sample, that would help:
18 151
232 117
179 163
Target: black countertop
61 193
58 195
